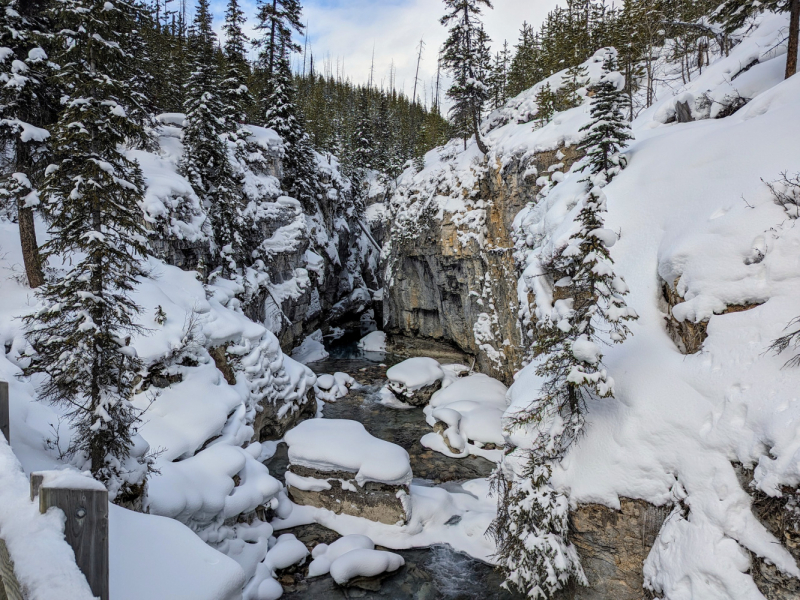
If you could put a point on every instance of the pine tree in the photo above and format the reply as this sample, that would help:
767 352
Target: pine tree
532 527
277 19
205 159
733 14
27 109
574 79
525 70
236 98
499 78
299 164
465 55
362 145
545 105
81 334
609 130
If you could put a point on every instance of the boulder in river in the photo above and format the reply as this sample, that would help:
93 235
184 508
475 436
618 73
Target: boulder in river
336 465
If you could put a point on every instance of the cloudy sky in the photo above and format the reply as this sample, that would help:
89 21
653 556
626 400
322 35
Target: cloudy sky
347 31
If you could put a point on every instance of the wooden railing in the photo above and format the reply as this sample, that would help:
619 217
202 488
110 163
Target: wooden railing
86 524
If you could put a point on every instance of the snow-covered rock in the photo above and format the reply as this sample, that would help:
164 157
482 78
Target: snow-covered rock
415 380
337 465
364 563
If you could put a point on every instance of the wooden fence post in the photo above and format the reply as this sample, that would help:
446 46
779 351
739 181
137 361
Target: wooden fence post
86 528
5 423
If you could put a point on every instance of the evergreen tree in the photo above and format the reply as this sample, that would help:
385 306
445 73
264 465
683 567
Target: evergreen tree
363 147
525 70
545 105
205 162
27 109
574 79
733 14
532 525
81 334
499 78
236 98
278 19
299 163
609 130
465 55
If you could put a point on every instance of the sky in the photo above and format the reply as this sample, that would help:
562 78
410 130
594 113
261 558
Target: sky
348 31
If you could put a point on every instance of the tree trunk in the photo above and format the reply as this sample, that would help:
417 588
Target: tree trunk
794 26
30 249
477 127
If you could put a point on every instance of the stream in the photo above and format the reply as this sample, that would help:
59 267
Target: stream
429 573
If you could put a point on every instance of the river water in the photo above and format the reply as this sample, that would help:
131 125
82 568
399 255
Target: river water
429 573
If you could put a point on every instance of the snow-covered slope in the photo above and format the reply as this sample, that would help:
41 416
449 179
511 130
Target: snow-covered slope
693 213
215 373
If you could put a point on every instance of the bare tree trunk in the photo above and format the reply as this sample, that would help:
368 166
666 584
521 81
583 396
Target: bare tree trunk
794 26
30 249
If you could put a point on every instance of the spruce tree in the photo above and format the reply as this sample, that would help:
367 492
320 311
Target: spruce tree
299 163
277 19
27 110
733 14
92 191
362 146
525 70
206 162
609 130
465 55
236 98
532 525
545 105
574 79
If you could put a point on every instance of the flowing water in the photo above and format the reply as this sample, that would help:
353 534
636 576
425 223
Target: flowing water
429 573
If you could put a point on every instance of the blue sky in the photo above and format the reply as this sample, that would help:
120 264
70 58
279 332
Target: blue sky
344 32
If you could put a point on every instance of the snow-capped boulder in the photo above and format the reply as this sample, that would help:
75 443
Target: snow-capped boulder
415 380
337 465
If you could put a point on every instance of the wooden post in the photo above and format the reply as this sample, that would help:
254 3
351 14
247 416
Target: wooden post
86 529
5 423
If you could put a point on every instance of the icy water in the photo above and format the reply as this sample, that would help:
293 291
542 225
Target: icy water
429 573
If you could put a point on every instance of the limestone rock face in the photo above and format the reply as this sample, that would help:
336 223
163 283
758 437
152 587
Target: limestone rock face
613 546
375 501
448 285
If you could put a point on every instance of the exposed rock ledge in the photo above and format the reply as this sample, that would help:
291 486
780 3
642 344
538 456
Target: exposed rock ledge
613 546
338 492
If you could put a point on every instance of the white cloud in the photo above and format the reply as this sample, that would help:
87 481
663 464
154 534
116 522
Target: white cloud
347 31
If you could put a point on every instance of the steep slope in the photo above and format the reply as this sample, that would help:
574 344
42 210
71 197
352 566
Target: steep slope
709 256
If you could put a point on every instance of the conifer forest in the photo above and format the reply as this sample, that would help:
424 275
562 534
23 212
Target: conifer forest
423 299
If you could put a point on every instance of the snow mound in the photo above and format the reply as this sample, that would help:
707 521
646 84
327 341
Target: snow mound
364 563
415 373
341 445
373 342
330 388
311 349
472 409
148 544
324 555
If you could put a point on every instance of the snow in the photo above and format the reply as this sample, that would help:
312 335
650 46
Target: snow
43 561
341 445
324 554
414 373
69 479
329 388
458 516
311 349
708 226
373 342
143 551
364 563
473 408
